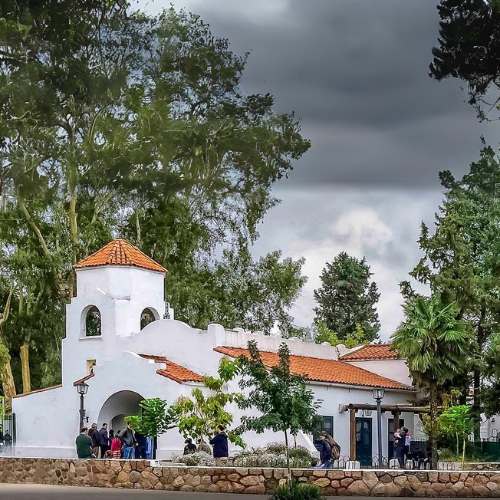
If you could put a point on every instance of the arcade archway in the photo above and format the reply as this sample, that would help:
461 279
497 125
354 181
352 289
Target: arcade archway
118 406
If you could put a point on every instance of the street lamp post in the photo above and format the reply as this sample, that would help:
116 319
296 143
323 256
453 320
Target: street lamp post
378 395
82 389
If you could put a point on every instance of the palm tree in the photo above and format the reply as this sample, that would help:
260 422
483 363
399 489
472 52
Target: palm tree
434 343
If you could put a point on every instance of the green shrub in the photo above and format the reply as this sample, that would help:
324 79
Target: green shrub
198 458
276 448
297 491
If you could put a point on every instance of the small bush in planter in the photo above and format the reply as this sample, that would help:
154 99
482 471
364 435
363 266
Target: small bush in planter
297 491
198 458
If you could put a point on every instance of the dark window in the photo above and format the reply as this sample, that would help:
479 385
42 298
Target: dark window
324 424
93 322
147 316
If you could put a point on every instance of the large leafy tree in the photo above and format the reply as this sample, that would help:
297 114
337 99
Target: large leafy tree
114 123
460 262
347 299
469 49
283 400
435 345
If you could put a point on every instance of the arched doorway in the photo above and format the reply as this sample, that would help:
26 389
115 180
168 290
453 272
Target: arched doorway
118 406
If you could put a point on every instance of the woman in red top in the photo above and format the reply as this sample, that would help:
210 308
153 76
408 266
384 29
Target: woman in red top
116 446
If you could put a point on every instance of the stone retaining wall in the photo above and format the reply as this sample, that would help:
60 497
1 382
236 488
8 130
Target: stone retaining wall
140 474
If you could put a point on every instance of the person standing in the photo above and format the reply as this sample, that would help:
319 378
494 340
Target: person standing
325 451
407 442
103 440
128 439
84 444
116 446
142 444
94 436
189 447
220 445
399 447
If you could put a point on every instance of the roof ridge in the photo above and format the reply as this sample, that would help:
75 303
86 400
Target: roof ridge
379 379
120 252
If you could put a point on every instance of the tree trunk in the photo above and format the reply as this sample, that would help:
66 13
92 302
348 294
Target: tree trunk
463 452
476 403
433 417
25 367
458 444
288 459
8 386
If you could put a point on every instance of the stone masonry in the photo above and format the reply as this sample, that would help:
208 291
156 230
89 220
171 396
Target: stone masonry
140 474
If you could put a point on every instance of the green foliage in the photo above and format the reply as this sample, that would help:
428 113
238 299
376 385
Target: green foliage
274 455
283 400
4 356
155 418
435 345
297 491
460 262
457 421
195 459
432 340
201 414
347 299
323 334
491 390
113 122
469 48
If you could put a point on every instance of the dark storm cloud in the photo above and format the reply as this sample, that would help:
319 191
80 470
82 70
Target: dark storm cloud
356 73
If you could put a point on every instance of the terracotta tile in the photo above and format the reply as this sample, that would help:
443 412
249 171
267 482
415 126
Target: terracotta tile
322 370
120 253
371 352
174 371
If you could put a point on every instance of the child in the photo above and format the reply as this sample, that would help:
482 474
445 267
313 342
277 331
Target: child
116 446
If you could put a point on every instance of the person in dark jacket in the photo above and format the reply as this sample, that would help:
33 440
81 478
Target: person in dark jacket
399 446
142 444
220 445
325 451
96 440
84 444
103 440
128 439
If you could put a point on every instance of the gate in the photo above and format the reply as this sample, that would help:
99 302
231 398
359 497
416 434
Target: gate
7 434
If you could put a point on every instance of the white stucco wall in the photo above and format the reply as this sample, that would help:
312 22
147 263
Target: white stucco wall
394 369
47 421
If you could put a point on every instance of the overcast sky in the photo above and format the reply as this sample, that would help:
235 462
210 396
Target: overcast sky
356 73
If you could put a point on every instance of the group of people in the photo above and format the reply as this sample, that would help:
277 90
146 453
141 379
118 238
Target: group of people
329 450
94 443
402 443
219 442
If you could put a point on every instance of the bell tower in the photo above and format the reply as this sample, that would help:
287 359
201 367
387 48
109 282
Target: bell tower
119 291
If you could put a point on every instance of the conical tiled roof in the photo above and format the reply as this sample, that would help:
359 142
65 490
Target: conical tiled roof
120 253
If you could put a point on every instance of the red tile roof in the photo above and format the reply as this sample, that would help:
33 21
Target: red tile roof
174 371
322 370
371 352
120 253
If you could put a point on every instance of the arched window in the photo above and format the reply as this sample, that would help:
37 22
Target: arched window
92 322
147 316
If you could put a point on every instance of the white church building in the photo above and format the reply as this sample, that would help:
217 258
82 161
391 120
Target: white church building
120 342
